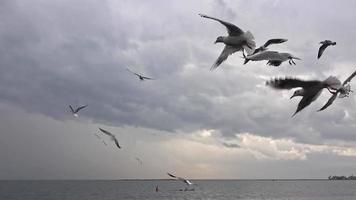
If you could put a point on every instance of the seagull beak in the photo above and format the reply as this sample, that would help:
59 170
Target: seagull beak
296 58
292 96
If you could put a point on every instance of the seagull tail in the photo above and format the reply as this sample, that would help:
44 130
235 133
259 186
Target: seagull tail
250 43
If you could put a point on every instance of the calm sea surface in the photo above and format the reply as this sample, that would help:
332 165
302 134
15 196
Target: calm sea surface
207 189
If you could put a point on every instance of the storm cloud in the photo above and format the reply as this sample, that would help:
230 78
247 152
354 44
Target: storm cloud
61 52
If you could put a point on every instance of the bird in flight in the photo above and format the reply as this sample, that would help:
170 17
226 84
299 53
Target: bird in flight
237 40
310 90
141 77
274 58
186 181
75 111
343 91
112 137
323 46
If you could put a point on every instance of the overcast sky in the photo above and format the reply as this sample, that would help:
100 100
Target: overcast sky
190 121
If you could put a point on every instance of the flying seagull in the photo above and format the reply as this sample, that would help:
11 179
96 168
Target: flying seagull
186 181
274 58
237 40
75 111
310 89
325 44
344 91
142 78
269 42
112 136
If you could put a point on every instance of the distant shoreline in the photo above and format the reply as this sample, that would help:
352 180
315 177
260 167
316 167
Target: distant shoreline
325 179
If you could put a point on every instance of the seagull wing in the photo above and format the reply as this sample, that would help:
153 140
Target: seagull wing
171 175
308 99
148 78
266 55
322 49
289 83
116 142
188 182
349 78
274 41
231 28
228 50
71 109
133 72
81 107
106 132
330 101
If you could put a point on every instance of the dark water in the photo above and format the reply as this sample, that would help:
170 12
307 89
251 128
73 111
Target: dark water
222 189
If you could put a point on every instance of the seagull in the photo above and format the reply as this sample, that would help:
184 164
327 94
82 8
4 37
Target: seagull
310 89
325 44
344 91
75 111
112 136
269 42
237 40
274 58
142 78
186 181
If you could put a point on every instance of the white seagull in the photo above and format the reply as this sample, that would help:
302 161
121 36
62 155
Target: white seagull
344 91
237 40
310 89
75 111
274 58
112 137
186 181
325 44
142 78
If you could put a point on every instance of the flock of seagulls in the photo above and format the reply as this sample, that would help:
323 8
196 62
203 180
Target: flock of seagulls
239 40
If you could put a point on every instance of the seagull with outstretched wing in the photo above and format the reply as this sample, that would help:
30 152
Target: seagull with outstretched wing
344 91
324 45
112 137
310 90
237 40
186 181
141 77
75 111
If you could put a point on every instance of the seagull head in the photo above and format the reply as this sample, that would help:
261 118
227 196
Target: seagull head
219 39
297 93
75 115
